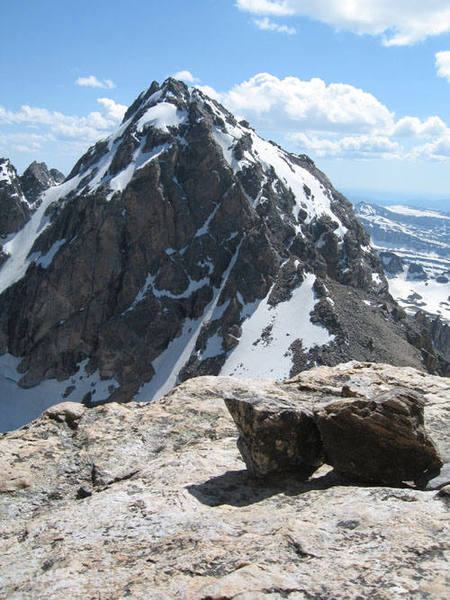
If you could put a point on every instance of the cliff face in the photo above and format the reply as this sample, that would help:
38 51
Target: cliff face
184 245
14 207
153 501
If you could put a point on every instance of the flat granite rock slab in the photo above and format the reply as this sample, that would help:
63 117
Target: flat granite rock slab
173 514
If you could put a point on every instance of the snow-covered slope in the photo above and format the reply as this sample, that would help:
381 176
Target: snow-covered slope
420 278
185 244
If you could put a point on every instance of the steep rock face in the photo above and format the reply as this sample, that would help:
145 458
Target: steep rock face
37 178
152 501
184 244
14 208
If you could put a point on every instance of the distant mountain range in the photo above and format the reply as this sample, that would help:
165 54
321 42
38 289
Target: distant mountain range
414 247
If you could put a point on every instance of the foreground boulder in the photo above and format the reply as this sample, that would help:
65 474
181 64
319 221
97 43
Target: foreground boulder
380 440
169 512
371 436
276 434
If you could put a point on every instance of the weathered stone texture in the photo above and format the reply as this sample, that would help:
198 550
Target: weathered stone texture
168 510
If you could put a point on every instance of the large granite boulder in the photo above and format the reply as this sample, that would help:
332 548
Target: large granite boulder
379 440
366 435
276 433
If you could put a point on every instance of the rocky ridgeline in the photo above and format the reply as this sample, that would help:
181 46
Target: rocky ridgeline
152 501
18 195
186 245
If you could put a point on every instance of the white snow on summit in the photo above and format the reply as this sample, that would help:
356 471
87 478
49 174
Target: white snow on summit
5 172
162 116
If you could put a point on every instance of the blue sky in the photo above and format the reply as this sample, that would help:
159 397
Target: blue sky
362 86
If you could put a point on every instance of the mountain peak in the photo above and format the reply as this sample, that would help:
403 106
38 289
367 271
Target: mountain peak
185 244
170 90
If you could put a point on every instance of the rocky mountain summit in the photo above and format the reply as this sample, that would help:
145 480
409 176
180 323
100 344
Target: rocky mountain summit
184 245
14 207
152 501
37 178
18 195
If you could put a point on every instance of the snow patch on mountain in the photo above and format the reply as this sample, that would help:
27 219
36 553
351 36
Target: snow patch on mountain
19 245
6 172
418 241
264 348
162 116
416 212
20 405
430 296
316 202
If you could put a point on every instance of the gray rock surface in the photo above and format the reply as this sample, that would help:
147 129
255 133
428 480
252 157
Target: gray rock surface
153 502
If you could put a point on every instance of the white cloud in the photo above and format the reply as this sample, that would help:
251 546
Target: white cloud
24 142
399 22
267 25
443 64
92 81
114 111
185 76
268 7
292 103
337 120
87 128
414 127
359 146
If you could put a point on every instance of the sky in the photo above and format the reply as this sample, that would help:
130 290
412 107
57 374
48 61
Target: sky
361 86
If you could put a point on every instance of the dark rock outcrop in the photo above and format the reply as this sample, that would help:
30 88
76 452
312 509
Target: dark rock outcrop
276 434
392 263
380 440
367 436
37 178
416 272
14 208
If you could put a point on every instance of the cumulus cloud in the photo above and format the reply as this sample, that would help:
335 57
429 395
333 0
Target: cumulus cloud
92 81
443 64
291 103
336 119
399 23
24 142
86 128
113 110
414 127
359 146
266 24
268 7
185 76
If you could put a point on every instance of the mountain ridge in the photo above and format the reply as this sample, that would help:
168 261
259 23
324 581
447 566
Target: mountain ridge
183 245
